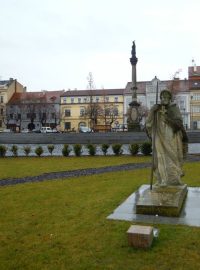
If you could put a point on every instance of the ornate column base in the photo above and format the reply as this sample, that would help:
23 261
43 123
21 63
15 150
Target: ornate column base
133 116
134 127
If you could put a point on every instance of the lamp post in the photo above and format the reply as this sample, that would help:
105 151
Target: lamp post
191 113
184 122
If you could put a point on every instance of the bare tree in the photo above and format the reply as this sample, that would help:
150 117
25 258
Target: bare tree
94 110
110 113
173 85
6 117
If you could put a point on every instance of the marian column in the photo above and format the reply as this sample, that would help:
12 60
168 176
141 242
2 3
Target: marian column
133 114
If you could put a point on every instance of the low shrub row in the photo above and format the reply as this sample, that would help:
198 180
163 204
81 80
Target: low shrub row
145 148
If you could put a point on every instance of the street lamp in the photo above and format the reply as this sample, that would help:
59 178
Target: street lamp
184 118
191 113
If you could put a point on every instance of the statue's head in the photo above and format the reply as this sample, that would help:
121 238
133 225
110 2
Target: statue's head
165 97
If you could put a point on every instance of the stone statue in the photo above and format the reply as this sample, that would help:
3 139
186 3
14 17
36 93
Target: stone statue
133 51
165 123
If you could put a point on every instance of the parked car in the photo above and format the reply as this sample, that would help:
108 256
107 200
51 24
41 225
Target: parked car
85 130
7 130
48 130
25 130
36 131
120 128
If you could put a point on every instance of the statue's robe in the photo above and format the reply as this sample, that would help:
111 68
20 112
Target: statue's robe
170 138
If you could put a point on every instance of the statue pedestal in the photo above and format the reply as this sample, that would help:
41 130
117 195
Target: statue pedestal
162 201
134 127
133 117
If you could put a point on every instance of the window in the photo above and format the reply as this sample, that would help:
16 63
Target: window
195 97
0 123
151 103
53 115
67 125
116 99
19 116
115 111
72 100
1 99
196 109
31 115
11 116
79 100
82 111
85 99
97 99
1 111
43 115
67 112
182 105
107 111
107 99
64 99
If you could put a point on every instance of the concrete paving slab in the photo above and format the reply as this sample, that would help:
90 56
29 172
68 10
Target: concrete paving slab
190 214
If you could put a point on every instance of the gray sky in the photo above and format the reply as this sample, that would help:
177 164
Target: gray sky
54 44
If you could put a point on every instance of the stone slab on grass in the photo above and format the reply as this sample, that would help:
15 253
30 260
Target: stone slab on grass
190 213
140 236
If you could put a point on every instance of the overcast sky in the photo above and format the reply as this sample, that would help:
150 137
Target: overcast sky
54 44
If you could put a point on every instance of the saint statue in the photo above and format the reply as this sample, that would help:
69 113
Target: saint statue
133 51
165 127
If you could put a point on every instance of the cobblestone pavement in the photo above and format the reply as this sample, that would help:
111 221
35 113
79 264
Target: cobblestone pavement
82 172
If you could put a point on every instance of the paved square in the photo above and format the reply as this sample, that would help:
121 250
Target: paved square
190 214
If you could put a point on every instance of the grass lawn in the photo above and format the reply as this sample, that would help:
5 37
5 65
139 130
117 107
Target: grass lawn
62 225
31 166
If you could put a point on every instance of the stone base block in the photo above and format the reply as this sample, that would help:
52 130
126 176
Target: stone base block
140 236
134 127
163 201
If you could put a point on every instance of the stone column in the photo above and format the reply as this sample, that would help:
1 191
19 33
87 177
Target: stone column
133 114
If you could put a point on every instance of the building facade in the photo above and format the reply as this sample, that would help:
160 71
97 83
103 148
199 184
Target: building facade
194 88
33 110
7 89
146 96
91 108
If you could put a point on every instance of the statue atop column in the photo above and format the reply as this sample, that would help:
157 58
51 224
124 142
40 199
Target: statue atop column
132 112
133 59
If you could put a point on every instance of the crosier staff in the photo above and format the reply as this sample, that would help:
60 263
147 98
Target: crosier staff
154 139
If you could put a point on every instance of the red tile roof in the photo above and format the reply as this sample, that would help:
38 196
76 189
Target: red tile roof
178 86
36 97
141 88
96 92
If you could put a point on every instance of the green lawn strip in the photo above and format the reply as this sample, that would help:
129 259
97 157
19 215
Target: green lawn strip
31 166
63 225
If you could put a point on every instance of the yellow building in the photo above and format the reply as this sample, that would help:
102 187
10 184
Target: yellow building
194 88
7 89
91 108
